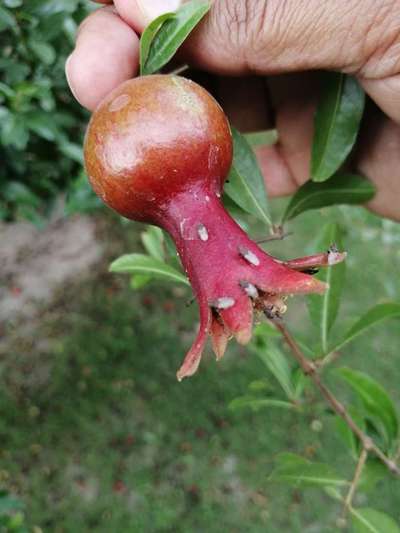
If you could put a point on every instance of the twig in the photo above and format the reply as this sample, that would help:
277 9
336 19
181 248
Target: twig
310 369
179 70
348 502
275 237
328 359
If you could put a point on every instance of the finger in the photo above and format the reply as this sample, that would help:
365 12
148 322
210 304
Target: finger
138 13
378 158
386 93
294 97
273 37
106 54
247 109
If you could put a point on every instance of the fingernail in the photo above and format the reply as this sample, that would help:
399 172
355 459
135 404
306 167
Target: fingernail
68 76
155 8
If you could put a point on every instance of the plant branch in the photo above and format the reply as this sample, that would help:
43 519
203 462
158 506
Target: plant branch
328 359
279 236
310 369
348 502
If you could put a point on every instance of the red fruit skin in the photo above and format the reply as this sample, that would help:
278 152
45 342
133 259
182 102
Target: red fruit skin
158 150
153 138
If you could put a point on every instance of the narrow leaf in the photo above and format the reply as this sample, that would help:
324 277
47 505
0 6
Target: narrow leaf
295 470
336 124
7 19
173 33
345 433
143 264
340 189
369 520
262 138
373 316
152 240
277 364
245 184
257 403
324 309
138 281
148 37
377 403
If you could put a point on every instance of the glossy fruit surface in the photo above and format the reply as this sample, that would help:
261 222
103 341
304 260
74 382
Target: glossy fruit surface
158 150
153 138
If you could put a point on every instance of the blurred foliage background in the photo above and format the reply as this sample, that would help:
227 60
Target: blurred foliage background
95 433
41 126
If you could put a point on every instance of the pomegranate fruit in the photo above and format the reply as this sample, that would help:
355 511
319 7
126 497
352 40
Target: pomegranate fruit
158 150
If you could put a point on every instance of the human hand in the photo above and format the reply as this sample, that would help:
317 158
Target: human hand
275 39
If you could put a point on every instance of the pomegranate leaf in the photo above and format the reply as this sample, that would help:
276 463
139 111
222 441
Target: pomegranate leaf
324 309
245 185
346 435
373 316
143 264
172 33
256 403
277 364
378 405
138 281
295 470
148 37
261 138
336 124
153 242
7 20
369 520
342 188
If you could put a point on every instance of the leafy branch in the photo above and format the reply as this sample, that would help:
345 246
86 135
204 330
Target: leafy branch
310 369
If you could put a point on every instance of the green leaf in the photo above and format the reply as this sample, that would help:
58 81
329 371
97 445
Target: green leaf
295 470
7 19
245 185
148 37
278 365
261 138
336 124
324 309
19 193
138 281
369 520
173 33
72 151
257 403
6 90
377 403
345 433
13 3
373 472
43 51
373 316
9 503
14 131
143 264
152 240
340 189
42 124
264 331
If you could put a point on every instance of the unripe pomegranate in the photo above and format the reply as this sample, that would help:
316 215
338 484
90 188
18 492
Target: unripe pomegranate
158 150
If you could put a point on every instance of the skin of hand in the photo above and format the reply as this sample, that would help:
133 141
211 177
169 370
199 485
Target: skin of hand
274 48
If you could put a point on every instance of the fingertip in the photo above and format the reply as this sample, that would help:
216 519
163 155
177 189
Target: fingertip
106 54
139 13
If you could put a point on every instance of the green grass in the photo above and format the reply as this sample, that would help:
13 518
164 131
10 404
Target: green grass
97 435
